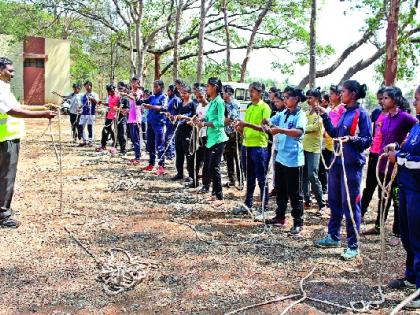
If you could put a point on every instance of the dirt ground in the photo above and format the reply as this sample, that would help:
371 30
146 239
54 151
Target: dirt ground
227 263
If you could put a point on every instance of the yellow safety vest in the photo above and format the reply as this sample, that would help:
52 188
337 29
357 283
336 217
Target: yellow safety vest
11 128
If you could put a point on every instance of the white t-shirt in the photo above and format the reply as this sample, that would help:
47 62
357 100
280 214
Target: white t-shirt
201 112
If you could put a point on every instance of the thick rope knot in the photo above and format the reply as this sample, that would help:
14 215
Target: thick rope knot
118 275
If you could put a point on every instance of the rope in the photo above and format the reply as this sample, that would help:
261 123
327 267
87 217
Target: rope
241 171
340 150
384 198
118 276
410 298
60 161
304 294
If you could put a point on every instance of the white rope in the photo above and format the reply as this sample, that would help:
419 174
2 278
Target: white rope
409 299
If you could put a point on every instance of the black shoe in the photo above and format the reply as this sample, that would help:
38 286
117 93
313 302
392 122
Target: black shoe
177 177
188 180
296 231
192 185
203 190
402 283
9 223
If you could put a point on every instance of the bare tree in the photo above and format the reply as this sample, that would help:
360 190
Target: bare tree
251 41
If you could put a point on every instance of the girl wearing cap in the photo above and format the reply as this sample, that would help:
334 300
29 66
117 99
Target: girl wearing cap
354 132
214 120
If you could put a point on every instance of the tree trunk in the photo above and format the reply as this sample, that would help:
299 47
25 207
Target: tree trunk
200 63
391 59
157 66
312 46
175 73
132 63
140 54
226 24
251 41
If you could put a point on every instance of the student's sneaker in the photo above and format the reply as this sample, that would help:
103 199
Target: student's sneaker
372 231
296 231
160 171
321 211
350 253
327 241
203 190
134 162
276 222
112 150
403 283
177 177
149 168
192 185
413 305
100 149
9 223
188 180
241 210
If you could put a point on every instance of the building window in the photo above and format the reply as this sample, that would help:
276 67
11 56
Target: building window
34 63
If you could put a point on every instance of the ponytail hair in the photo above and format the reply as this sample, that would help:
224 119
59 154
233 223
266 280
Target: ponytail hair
316 92
356 87
395 94
217 83
295 92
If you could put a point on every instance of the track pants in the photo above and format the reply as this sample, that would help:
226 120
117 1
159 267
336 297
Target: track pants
156 143
337 200
9 156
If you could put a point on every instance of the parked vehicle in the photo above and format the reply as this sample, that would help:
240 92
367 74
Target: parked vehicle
241 95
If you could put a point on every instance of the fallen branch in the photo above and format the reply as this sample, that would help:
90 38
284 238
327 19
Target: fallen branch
279 299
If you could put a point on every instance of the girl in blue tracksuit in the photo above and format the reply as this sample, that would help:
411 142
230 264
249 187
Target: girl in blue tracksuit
354 127
408 160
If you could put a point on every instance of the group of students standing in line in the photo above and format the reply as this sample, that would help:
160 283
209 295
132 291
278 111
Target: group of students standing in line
306 150
207 126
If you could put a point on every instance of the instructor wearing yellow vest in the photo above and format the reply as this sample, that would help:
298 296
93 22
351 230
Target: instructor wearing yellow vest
12 129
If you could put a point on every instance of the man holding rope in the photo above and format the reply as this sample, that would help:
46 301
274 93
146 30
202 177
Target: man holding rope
12 129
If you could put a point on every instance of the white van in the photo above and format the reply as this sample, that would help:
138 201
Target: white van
241 95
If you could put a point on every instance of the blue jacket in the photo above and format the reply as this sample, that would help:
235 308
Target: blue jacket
153 116
174 105
352 119
408 159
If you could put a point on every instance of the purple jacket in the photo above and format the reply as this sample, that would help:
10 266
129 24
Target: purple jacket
394 130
